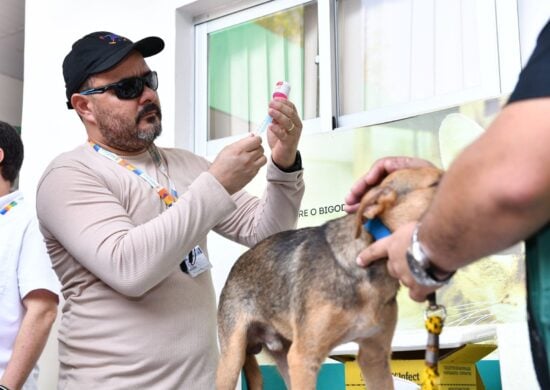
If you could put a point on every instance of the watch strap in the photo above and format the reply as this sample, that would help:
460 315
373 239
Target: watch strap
423 270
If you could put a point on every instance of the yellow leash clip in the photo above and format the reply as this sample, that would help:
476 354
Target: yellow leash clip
434 317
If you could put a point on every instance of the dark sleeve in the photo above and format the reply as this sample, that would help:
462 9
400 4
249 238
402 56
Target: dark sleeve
534 79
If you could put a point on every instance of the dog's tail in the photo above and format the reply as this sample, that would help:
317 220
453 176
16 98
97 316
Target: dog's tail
252 373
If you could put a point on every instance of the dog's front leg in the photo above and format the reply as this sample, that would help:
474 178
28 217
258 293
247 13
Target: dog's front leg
374 361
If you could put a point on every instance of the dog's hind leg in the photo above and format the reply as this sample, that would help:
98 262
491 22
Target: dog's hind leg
282 365
232 357
252 373
314 336
304 362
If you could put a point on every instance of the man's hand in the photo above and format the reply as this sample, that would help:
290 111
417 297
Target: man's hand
378 171
284 132
238 163
394 248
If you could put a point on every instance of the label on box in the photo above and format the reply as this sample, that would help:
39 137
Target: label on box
457 371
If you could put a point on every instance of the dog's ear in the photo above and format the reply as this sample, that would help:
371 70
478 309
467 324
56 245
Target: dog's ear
374 203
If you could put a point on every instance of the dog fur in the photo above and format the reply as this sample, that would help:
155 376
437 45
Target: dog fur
299 293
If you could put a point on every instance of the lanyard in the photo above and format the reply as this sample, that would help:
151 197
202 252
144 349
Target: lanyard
4 210
155 155
167 197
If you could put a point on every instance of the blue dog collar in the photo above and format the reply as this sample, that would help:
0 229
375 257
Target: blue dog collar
376 228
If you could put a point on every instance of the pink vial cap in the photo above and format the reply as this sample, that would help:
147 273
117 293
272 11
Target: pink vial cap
282 90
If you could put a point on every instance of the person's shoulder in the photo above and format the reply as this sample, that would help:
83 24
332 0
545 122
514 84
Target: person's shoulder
544 35
534 79
74 156
24 209
82 158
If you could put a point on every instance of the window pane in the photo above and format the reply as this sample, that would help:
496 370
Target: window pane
401 51
335 160
246 60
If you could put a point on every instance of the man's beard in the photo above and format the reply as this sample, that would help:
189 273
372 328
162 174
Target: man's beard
129 135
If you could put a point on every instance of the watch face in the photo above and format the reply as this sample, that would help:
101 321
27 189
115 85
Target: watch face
419 273
419 255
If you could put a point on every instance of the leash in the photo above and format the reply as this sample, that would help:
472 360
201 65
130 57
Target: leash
434 317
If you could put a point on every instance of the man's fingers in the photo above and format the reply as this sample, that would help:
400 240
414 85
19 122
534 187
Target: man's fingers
250 143
376 251
377 172
418 295
351 208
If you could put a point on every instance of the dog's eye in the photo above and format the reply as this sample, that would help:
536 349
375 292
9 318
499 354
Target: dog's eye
434 184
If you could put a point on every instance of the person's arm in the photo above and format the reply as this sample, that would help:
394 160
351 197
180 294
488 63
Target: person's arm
277 210
257 218
87 221
494 195
504 182
41 311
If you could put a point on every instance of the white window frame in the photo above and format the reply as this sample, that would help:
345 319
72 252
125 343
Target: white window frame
212 147
499 43
499 48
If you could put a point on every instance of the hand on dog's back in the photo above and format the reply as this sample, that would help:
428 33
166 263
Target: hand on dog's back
379 170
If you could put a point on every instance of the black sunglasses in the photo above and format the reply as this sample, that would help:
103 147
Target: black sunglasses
129 88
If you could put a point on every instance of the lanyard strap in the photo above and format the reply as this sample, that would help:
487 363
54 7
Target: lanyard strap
167 197
4 210
155 155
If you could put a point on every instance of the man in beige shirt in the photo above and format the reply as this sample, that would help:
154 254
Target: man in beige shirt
125 224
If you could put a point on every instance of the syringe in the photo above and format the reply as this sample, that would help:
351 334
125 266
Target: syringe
282 90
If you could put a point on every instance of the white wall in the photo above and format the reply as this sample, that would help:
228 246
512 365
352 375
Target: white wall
49 128
11 99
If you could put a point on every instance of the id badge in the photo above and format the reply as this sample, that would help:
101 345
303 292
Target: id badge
195 263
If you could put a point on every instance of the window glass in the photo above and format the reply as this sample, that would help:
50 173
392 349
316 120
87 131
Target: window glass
405 51
246 60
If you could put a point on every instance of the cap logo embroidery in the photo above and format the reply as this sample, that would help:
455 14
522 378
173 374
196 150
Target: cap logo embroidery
112 39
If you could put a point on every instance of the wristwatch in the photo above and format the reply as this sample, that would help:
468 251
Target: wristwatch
423 271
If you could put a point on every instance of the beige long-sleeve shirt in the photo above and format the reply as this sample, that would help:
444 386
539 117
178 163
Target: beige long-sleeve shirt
132 318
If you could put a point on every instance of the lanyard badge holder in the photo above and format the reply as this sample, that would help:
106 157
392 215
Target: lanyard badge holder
195 263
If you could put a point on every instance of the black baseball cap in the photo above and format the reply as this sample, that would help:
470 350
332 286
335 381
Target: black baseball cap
98 52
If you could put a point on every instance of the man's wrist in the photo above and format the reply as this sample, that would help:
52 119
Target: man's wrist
297 166
423 270
4 387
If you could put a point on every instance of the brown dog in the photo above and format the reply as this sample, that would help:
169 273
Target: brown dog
300 293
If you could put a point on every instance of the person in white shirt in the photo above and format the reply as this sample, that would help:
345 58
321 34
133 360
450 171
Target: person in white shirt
29 288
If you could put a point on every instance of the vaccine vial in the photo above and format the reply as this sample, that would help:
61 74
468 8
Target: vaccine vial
281 90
